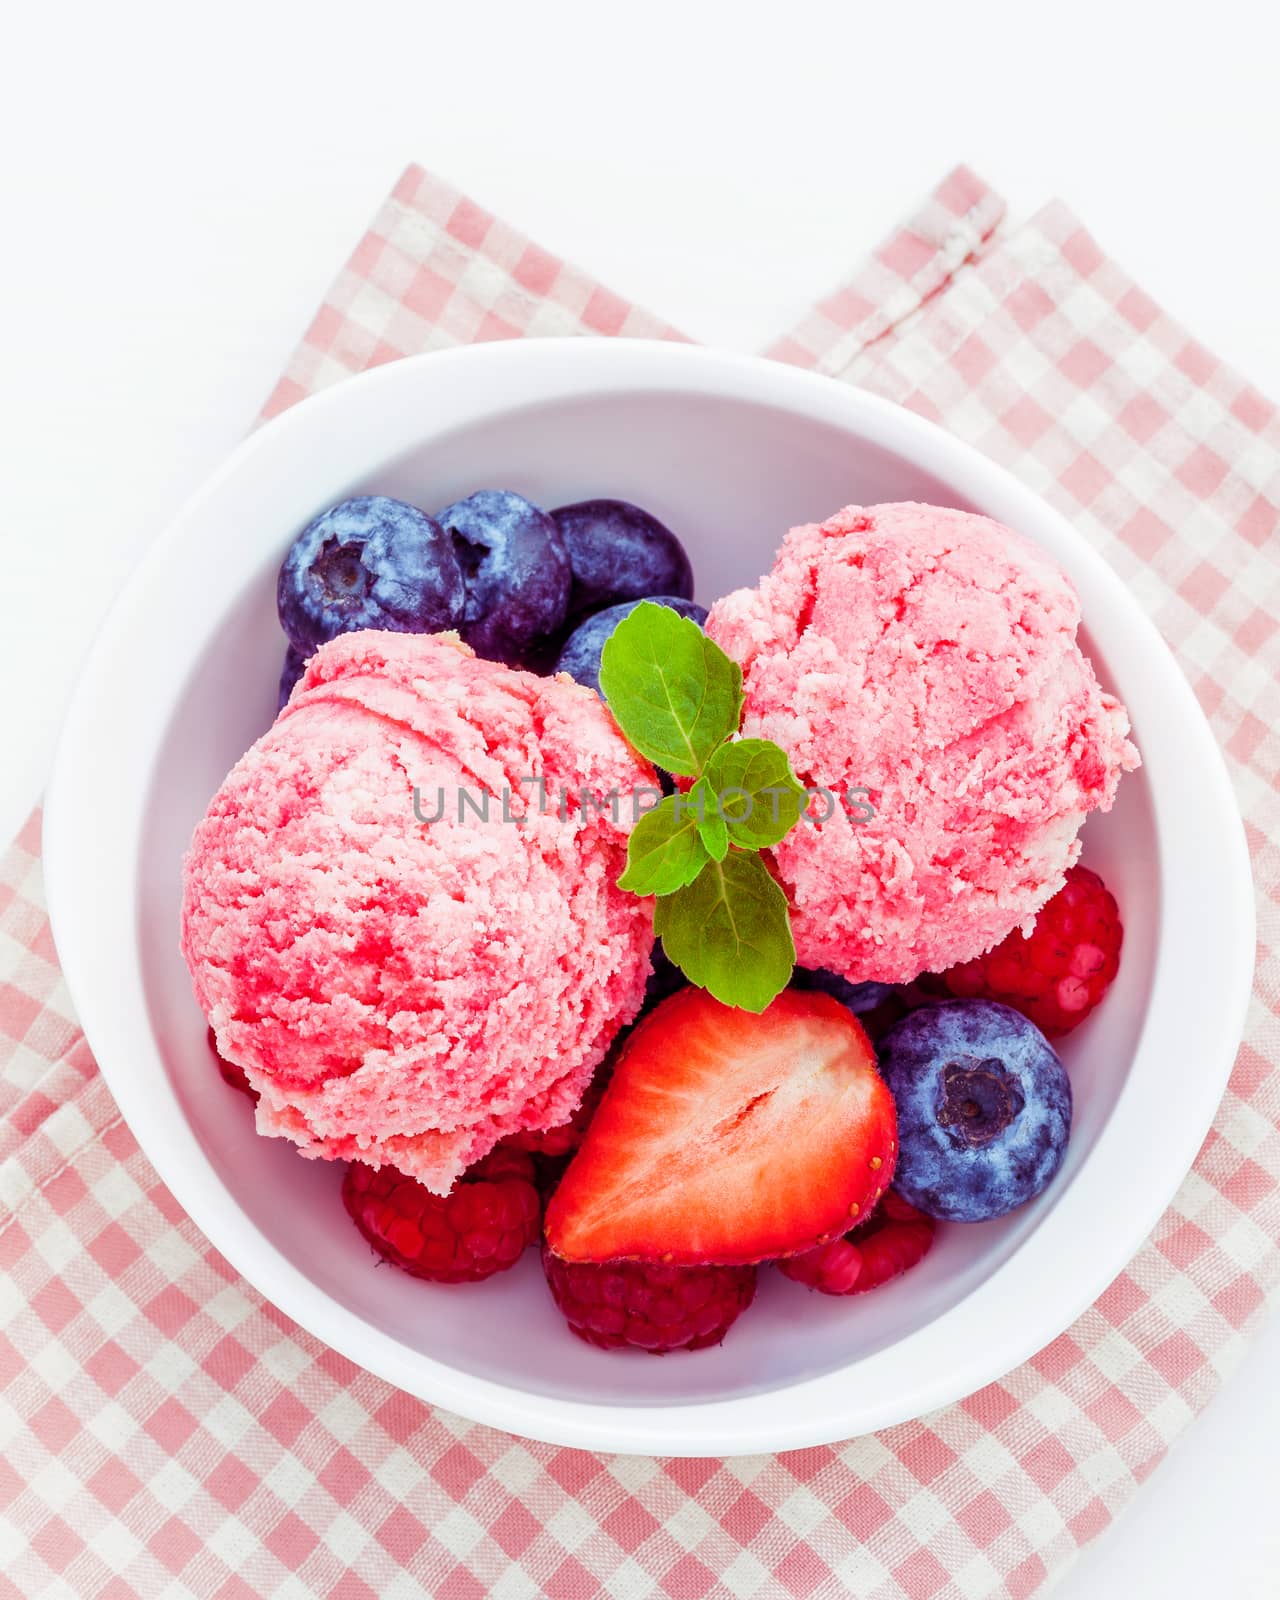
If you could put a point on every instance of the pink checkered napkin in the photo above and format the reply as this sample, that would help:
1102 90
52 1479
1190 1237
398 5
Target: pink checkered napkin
164 1431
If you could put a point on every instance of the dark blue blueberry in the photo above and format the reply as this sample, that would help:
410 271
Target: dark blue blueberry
664 981
619 552
295 664
516 572
984 1108
580 656
368 563
859 997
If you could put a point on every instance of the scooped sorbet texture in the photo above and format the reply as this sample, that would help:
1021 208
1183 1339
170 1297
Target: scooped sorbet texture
930 657
407 991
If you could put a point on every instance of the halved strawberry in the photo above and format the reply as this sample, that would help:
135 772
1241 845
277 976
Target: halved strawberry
726 1138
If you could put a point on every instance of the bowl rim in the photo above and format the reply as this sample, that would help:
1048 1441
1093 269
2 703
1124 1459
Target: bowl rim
86 893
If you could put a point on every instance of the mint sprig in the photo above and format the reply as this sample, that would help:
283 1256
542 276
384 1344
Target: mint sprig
675 694
729 931
665 851
712 827
721 917
759 797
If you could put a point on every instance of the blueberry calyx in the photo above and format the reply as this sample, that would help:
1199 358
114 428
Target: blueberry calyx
470 553
977 1100
339 572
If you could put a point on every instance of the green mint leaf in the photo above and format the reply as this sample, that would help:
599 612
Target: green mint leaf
664 852
759 797
729 932
674 693
701 800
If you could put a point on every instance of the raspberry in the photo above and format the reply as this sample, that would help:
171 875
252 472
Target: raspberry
890 1242
1060 973
648 1305
565 1137
562 1140
482 1226
231 1073
500 1163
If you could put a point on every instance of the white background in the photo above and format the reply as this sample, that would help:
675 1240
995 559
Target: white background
179 185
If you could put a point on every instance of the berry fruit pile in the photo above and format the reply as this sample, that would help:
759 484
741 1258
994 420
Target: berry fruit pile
535 589
713 1141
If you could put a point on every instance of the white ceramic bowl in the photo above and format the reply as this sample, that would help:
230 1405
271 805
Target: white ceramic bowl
730 451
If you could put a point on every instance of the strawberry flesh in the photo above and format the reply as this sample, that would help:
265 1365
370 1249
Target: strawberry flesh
726 1138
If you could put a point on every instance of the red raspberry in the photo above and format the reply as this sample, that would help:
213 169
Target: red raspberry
565 1137
500 1163
562 1140
482 1226
890 1242
1058 974
231 1073
647 1305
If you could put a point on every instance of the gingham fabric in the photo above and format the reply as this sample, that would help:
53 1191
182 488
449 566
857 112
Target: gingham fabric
164 1431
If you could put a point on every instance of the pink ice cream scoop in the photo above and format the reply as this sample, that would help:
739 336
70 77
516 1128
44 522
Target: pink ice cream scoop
928 657
405 971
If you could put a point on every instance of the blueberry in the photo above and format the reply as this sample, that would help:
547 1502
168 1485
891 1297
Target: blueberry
619 552
516 571
368 563
580 655
984 1108
665 980
859 997
295 664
